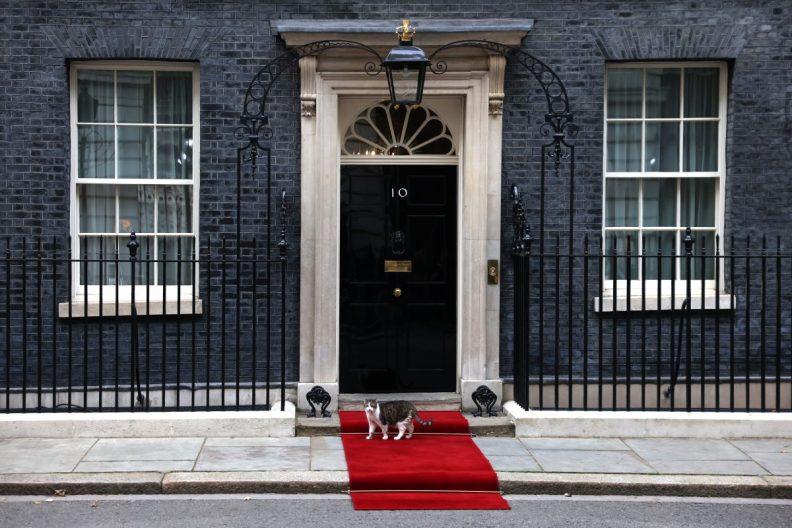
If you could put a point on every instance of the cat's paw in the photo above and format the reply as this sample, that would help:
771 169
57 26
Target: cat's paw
368 437
409 436
385 437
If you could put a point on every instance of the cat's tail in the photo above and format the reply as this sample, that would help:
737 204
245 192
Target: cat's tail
418 419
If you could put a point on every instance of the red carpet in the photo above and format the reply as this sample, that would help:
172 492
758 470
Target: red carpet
426 472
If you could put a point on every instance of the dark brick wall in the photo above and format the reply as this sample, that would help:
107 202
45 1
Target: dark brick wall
232 39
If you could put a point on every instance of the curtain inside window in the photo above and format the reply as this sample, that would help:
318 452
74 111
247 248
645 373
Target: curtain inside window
624 147
701 146
621 197
174 97
698 202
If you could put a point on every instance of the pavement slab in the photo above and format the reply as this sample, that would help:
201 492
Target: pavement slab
513 463
662 449
587 444
42 455
328 460
162 466
761 445
296 441
707 467
578 461
128 449
326 442
775 463
491 446
253 458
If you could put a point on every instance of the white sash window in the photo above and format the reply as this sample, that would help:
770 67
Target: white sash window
134 140
664 153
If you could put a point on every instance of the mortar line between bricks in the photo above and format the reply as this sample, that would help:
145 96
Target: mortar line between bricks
82 458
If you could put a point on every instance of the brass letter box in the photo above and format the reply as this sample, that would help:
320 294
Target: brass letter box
398 266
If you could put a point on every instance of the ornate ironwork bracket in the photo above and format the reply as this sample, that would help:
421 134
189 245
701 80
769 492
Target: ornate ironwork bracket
559 118
317 395
483 396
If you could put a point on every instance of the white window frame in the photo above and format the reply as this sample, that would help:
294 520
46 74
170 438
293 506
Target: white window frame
154 293
652 286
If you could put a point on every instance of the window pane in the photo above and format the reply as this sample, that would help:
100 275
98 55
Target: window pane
659 247
621 202
174 153
175 262
624 92
95 151
136 208
97 208
662 146
701 146
174 97
659 202
698 202
135 94
701 92
662 92
135 159
616 254
174 209
93 247
95 96
624 147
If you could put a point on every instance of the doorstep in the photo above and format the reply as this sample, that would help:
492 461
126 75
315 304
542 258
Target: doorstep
424 401
480 426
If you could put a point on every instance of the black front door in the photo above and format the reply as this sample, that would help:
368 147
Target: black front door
398 278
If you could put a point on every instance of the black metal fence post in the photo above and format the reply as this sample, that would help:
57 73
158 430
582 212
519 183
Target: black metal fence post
8 325
283 246
688 242
134 365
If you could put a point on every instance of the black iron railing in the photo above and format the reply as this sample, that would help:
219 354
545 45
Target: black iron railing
600 324
118 327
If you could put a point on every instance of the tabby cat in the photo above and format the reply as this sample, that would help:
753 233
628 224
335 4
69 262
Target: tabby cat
399 413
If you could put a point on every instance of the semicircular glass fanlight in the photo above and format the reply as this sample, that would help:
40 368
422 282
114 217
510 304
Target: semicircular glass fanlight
385 129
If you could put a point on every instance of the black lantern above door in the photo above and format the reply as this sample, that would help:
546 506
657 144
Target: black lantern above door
405 67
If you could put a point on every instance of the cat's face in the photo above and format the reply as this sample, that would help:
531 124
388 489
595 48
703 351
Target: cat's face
370 406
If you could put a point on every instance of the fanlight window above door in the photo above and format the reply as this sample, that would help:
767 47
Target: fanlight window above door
395 130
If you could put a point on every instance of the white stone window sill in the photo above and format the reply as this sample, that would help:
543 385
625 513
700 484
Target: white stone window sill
619 304
80 309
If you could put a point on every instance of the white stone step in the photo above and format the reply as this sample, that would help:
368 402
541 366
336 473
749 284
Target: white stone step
426 401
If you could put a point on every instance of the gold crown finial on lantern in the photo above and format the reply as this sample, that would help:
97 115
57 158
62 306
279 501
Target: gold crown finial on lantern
405 31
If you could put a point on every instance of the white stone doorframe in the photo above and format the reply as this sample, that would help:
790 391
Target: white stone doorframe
479 146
